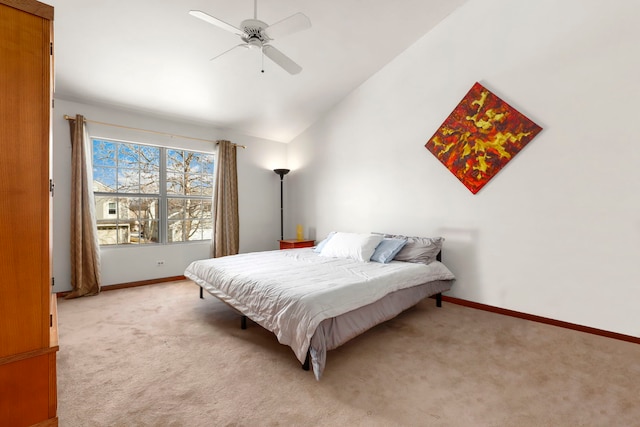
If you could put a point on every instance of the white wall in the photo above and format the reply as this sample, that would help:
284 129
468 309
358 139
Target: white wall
556 232
258 186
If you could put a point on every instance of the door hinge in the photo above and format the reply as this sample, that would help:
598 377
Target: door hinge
50 48
53 282
51 320
51 186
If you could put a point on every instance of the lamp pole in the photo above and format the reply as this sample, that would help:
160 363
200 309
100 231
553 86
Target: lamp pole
282 173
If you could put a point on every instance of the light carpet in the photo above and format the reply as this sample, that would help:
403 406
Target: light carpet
159 356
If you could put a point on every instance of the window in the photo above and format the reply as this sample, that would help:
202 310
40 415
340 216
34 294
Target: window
147 194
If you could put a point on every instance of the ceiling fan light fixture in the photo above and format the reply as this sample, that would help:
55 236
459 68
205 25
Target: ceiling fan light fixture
254 44
256 34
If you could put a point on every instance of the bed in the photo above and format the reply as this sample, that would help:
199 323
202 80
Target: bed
316 299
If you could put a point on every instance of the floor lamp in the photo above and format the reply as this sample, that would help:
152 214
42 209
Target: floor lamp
282 173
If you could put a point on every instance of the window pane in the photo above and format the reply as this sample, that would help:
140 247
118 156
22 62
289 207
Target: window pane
150 208
104 153
127 156
104 179
150 182
208 168
207 163
175 231
206 209
150 158
175 161
199 222
197 163
128 181
145 232
207 185
175 209
193 208
193 185
123 208
175 183
200 185
207 228
195 230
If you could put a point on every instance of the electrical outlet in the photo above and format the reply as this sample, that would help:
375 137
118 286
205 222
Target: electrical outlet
160 263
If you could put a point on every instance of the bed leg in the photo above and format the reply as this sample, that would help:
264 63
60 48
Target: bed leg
307 361
243 322
438 300
201 295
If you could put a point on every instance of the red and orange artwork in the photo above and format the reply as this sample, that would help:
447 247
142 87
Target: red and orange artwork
480 136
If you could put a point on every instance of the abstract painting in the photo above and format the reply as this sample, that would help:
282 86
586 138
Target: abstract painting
480 136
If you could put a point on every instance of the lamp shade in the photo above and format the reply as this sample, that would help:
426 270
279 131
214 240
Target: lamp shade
281 172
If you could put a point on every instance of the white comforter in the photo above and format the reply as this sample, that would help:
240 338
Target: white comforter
290 292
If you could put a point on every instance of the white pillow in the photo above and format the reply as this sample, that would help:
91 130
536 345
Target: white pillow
351 245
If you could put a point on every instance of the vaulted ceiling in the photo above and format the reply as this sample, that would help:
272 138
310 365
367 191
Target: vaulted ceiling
153 57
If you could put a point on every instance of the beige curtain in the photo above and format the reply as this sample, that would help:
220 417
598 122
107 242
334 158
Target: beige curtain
85 250
226 224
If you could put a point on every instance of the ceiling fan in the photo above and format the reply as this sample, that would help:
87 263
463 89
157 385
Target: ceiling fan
257 34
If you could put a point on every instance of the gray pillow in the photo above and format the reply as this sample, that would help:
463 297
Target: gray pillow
420 250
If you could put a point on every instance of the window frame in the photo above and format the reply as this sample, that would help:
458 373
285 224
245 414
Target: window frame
163 196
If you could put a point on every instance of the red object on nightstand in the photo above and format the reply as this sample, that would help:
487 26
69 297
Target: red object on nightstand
294 243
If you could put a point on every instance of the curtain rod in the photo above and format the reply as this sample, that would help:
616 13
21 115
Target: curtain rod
67 117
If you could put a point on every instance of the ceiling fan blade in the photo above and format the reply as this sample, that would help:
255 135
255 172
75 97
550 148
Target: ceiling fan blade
229 50
290 25
215 21
281 59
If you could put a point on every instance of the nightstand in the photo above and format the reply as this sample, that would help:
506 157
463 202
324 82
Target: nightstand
295 243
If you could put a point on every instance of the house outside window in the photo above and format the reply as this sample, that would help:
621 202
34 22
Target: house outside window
148 194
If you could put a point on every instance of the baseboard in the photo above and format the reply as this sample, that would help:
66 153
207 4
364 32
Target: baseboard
541 319
131 284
